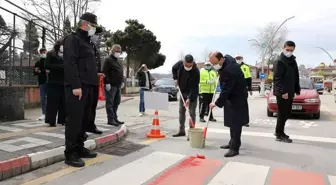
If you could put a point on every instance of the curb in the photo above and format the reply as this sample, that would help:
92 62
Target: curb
122 101
17 166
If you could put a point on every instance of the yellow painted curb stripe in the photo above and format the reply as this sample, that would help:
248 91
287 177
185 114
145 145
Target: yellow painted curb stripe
67 170
149 141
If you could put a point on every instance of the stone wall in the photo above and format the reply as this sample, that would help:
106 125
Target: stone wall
12 103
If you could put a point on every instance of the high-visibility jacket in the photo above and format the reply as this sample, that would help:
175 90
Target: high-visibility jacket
247 75
246 70
205 77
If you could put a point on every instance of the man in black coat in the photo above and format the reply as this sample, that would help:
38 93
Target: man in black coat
41 73
114 77
187 77
91 125
80 77
286 84
233 97
56 95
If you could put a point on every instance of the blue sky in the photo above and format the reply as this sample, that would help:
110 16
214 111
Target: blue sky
192 26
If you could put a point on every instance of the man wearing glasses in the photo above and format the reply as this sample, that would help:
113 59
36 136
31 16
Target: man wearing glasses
80 76
286 85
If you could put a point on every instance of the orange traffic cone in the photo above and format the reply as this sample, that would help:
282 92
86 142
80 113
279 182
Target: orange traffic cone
155 131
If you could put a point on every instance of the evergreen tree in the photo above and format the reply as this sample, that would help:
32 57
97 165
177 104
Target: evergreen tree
31 42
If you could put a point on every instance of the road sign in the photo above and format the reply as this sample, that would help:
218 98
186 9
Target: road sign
262 75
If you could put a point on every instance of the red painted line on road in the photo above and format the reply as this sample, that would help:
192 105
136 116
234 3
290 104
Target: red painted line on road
293 177
193 171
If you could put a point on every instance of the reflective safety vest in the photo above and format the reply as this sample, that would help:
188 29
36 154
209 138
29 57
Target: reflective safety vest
205 76
246 70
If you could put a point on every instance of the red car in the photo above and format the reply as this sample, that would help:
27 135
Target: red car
307 103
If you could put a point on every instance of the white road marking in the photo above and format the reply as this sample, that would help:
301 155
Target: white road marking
144 169
241 174
271 135
30 124
332 180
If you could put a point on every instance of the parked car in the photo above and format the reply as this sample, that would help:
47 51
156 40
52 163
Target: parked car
307 103
166 85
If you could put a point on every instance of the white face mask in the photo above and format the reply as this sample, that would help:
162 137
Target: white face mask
43 55
92 31
187 68
217 67
239 61
117 55
288 53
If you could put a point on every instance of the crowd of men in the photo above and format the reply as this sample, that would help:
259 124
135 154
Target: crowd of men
68 77
235 83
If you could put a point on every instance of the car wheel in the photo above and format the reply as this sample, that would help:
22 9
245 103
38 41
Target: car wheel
269 113
317 115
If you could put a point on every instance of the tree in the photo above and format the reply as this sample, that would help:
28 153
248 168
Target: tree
275 45
31 42
205 55
6 36
55 13
140 45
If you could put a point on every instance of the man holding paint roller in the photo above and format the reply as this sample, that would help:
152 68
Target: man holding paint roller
233 98
187 77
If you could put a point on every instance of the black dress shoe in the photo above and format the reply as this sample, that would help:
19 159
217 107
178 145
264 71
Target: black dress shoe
231 153
247 125
180 134
113 123
202 120
86 153
119 122
212 119
74 160
283 139
225 147
95 131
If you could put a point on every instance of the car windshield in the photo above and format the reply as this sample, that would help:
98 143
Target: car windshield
306 84
163 82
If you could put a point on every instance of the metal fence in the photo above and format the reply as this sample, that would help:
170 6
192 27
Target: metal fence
18 58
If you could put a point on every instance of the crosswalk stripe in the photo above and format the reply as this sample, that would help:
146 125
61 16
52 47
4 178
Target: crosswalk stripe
293 177
194 171
144 169
332 180
241 174
270 135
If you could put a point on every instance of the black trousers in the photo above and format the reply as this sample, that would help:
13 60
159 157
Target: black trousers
55 104
91 123
204 101
235 136
78 110
284 112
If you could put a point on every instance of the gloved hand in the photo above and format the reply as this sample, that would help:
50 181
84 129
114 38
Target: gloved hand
122 85
108 87
212 81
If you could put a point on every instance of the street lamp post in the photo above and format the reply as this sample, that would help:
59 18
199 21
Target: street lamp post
262 85
332 59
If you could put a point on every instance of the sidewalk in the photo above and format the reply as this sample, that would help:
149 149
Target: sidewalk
34 114
29 144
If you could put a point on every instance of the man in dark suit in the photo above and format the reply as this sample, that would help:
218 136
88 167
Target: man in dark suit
233 97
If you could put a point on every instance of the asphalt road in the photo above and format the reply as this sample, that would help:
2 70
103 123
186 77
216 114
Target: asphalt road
262 160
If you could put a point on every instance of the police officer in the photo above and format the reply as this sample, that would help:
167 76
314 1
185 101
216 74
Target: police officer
80 76
91 125
247 74
208 78
233 97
